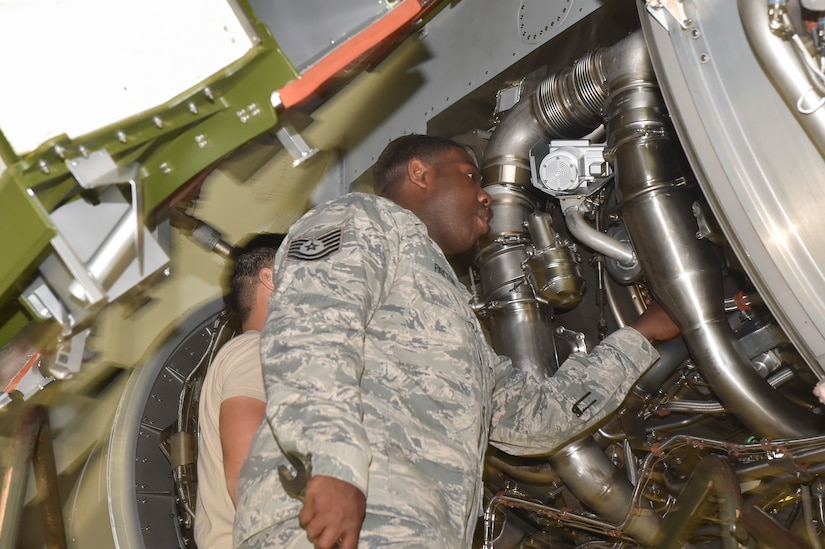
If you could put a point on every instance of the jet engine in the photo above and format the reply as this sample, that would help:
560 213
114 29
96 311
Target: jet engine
656 150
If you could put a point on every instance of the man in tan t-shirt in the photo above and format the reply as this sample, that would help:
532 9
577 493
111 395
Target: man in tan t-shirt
233 400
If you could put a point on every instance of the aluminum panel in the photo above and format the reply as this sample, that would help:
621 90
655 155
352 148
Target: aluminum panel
756 165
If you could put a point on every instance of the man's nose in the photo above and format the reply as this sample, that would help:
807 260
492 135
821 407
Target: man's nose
485 199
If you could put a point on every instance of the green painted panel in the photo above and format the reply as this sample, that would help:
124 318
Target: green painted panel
26 232
12 320
246 112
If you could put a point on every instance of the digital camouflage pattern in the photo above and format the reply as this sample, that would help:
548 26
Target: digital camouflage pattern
375 364
377 531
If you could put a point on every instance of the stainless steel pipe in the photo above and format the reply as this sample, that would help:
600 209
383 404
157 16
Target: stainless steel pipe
568 102
684 273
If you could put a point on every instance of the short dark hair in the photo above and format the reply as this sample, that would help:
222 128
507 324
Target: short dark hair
256 253
391 166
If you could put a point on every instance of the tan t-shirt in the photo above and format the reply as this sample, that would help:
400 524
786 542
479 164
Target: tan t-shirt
236 371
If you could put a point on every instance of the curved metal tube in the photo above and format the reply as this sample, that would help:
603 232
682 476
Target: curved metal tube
31 446
568 102
589 474
597 240
712 473
506 156
671 354
710 407
780 62
683 272
560 516
536 473
769 532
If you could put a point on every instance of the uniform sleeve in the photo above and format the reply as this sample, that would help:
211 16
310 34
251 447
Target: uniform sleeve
330 278
532 416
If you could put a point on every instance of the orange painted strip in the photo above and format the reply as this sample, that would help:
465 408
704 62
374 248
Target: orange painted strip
15 381
338 59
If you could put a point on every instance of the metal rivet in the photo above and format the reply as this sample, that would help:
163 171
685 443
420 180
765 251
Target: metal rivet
164 167
44 166
253 109
695 33
84 151
193 108
207 91
243 116
121 137
704 58
200 140
60 151
157 121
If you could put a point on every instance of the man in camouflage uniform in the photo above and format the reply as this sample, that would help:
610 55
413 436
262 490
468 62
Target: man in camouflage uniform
377 369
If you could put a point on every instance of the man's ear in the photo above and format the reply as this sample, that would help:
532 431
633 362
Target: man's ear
265 278
417 171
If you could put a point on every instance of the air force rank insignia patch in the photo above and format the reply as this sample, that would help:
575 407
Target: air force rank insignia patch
319 247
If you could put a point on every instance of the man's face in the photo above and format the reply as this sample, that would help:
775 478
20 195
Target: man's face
458 208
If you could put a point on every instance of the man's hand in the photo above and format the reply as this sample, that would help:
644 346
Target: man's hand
655 324
333 513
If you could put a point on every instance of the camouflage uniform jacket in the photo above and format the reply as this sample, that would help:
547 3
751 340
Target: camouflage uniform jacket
375 364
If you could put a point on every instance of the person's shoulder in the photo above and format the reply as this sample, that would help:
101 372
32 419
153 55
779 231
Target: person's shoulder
236 355
246 342
358 211
357 201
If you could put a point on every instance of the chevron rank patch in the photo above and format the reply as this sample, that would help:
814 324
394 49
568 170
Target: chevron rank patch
319 247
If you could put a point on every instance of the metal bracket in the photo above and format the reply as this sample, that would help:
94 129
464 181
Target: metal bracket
45 304
294 143
576 338
676 8
98 169
69 355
